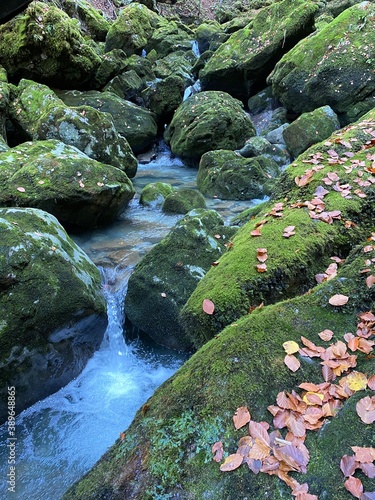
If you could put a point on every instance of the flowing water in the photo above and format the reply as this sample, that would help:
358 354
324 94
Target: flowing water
61 437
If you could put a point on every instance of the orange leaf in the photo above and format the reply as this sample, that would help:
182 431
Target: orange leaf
241 417
326 335
292 362
338 300
256 232
370 280
259 450
217 450
354 486
208 306
371 382
348 465
261 268
257 431
365 408
232 462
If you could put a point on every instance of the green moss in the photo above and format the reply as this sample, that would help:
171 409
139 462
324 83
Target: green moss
92 21
154 194
182 201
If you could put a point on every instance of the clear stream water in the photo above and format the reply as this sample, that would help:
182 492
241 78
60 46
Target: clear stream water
61 437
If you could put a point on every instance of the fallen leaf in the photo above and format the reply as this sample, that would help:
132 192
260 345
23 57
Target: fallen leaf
338 300
256 232
241 417
208 306
348 465
370 280
261 268
326 335
290 347
354 486
365 408
21 189
371 382
217 450
232 462
292 362
357 381
364 454
368 470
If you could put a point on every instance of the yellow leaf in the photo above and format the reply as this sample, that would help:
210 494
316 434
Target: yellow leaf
291 347
308 398
357 381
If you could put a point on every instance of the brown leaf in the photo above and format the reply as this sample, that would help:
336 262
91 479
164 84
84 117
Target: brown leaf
208 306
217 450
365 408
354 486
326 335
370 280
338 300
259 450
292 362
256 232
371 382
254 465
368 469
364 454
232 462
327 373
292 456
367 495
261 268
241 417
257 431
348 465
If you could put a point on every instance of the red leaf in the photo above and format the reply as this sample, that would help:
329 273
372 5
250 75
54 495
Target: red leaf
348 465
354 486
208 306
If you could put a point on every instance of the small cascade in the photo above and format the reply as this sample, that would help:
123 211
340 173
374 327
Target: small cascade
195 48
192 89
60 438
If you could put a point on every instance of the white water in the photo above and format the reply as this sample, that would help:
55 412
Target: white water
61 437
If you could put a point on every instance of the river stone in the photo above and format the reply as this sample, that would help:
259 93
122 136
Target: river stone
334 67
132 29
241 64
163 96
45 44
208 121
210 35
259 146
163 280
182 201
138 125
229 176
178 63
154 194
39 114
126 85
92 22
63 181
309 129
112 63
52 309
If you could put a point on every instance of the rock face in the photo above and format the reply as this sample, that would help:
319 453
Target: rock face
334 67
208 121
138 125
52 309
241 64
162 282
45 44
229 176
63 181
39 114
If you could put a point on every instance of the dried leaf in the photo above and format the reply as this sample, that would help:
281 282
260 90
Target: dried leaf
371 382
326 335
292 362
217 450
348 465
370 280
208 306
241 417
354 486
327 373
21 189
257 431
232 462
261 268
368 470
365 408
338 300
364 454
256 232
290 347
357 381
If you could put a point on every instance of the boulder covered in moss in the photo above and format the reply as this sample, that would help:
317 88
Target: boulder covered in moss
63 181
164 96
91 21
260 146
163 280
170 36
132 29
205 122
229 176
126 85
166 451
321 206
182 201
241 64
138 125
4 102
39 114
154 194
210 35
334 66
310 128
52 310
178 63
45 44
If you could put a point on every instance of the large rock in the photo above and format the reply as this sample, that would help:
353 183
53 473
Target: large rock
45 44
39 114
229 176
208 121
138 125
63 181
52 309
334 67
310 128
182 200
163 280
241 64
178 63
92 22
344 216
163 96
167 449
168 37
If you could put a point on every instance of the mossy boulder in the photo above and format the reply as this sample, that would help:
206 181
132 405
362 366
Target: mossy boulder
126 85
229 176
167 449
178 63
39 114
241 64
168 37
163 96
154 194
210 35
63 181
310 128
92 22
132 29
166 276
293 261
205 122
52 310
112 63
334 66
45 44
138 125
259 146
182 201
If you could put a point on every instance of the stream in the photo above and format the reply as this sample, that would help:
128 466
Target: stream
61 437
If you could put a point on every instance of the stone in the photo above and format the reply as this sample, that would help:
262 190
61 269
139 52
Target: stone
259 146
182 201
92 22
163 96
154 194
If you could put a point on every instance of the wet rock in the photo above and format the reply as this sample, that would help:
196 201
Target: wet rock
168 37
176 64
126 85
92 22
210 35
259 146
163 97
182 201
47 334
154 194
